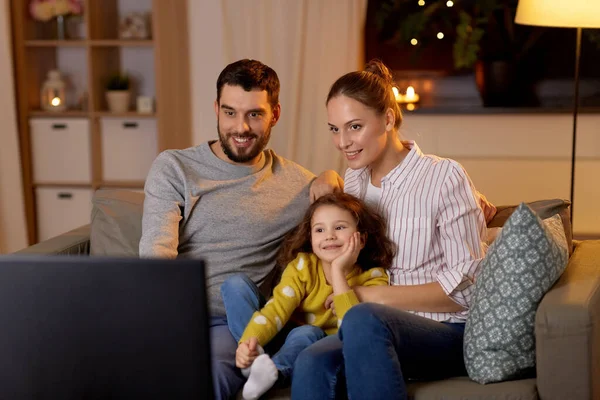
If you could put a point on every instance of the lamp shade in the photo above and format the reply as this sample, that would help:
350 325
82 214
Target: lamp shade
559 13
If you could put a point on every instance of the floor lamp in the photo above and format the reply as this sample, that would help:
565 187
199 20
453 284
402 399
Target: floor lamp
564 14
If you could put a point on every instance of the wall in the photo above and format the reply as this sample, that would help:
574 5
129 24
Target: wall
294 37
205 24
13 235
520 157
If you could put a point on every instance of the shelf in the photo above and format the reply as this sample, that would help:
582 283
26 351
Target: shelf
121 43
60 114
122 184
94 53
129 114
72 185
93 43
56 43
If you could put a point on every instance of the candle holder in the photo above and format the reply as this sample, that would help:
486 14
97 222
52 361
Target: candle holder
52 95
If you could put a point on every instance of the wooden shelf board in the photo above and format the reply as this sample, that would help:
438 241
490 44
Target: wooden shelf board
123 184
59 114
36 51
121 43
56 43
129 114
73 185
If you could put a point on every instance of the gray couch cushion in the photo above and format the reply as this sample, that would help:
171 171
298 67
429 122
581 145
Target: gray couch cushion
544 209
568 329
459 388
116 226
520 267
72 243
462 388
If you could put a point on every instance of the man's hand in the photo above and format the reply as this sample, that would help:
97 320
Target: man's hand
328 182
246 353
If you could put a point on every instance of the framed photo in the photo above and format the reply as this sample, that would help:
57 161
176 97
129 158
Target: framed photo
135 26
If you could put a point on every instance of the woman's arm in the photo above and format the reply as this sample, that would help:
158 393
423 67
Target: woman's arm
461 226
429 297
460 223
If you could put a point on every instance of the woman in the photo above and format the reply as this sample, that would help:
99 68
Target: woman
414 328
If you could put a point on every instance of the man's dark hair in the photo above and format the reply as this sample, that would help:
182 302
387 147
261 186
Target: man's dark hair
250 74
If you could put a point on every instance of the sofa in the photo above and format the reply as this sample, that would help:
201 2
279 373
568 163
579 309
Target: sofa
567 323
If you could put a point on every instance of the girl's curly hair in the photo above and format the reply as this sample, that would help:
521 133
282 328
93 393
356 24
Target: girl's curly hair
379 250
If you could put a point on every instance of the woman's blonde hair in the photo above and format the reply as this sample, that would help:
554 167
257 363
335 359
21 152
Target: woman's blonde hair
371 87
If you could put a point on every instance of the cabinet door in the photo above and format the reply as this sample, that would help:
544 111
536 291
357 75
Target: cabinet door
60 150
129 146
60 210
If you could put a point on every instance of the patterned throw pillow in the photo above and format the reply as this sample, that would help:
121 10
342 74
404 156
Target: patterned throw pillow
522 264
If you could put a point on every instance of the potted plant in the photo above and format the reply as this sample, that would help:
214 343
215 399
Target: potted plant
118 95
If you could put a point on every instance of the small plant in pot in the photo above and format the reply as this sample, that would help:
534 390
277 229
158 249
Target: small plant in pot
118 95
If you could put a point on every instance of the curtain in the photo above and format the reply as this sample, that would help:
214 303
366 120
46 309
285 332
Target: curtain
309 43
13 231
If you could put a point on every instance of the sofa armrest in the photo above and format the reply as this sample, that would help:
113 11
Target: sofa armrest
75 242
567 329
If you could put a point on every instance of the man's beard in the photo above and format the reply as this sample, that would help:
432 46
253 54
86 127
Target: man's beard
244 155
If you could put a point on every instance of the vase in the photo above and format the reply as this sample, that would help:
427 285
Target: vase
60 27
74 29
502 84
118 100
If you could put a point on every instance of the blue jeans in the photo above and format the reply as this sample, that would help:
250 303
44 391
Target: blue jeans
242 299
381 347
227 378
319 371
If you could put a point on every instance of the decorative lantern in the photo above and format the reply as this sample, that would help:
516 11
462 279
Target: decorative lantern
53 92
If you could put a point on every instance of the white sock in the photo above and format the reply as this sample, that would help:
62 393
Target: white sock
246 371
263 375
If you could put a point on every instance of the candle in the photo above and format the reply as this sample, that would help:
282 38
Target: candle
397 94
410 96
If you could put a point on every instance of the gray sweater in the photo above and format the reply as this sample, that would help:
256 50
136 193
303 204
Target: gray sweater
232 216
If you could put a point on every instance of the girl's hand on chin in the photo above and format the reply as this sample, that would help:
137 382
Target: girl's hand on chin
347 258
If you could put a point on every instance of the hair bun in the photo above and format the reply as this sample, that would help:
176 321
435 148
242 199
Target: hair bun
378 68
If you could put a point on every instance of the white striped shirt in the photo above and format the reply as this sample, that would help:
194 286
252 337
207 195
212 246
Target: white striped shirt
433 214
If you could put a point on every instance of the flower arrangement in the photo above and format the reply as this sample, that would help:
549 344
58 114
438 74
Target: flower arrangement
45 10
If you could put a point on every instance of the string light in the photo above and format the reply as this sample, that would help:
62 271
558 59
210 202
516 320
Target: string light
440 35
414 41
449 3
421 3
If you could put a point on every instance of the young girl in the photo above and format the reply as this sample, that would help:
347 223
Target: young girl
339 244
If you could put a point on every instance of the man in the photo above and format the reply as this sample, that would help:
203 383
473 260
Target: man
229 201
